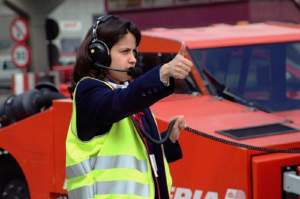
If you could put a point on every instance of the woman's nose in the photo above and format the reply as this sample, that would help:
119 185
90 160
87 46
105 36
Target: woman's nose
132 58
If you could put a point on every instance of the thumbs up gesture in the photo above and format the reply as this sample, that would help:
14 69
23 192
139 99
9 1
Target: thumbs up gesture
178 68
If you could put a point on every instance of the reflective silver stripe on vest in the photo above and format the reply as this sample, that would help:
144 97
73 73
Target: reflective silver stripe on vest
82 193
112 187
106 162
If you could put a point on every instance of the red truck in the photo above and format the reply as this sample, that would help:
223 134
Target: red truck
241 103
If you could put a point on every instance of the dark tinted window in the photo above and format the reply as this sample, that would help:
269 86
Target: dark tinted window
264 75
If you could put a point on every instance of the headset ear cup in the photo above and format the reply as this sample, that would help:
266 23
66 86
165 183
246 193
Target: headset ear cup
99 53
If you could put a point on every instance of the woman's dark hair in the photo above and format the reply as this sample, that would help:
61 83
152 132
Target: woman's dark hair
110 32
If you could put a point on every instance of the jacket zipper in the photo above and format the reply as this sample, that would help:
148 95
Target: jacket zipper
147 149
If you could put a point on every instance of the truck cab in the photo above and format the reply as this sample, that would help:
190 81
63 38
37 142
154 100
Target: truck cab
243 113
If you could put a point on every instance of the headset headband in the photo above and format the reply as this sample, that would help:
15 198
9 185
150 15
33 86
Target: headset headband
100 20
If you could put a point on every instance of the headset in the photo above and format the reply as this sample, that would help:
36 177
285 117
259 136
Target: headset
98 49
100 52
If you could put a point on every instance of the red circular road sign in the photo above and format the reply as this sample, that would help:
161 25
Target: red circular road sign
19 30
21 55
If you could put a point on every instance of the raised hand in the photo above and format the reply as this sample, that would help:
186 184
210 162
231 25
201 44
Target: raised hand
178 68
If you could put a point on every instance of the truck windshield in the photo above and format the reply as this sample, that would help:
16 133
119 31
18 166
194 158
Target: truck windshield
266 76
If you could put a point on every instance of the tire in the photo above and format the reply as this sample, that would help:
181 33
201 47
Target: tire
12 182
15 189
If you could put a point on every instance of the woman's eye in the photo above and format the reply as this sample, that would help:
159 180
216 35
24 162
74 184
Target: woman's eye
125 51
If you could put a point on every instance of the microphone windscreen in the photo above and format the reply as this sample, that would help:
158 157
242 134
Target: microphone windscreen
134 72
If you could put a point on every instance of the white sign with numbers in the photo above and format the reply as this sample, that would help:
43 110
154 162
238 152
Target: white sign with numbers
21 55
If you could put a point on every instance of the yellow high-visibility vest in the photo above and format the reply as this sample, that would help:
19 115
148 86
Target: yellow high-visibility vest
114 165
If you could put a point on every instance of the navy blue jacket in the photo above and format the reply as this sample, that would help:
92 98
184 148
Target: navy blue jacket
98 107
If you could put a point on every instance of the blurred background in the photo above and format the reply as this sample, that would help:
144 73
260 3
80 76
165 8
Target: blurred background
39 39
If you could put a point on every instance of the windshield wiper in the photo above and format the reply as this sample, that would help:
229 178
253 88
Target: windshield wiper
244 101
223 91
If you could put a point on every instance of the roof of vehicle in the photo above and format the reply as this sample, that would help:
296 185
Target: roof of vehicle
227 35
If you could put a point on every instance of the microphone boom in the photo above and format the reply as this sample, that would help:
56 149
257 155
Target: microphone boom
133 71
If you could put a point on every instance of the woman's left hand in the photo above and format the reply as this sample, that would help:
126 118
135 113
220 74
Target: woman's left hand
178 126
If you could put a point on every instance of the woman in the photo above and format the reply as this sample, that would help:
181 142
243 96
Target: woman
107 153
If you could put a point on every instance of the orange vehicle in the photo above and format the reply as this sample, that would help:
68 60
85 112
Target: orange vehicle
241 104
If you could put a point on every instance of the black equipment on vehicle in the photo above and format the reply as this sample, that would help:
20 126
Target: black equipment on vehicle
17 107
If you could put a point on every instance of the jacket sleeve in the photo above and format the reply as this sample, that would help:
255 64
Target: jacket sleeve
172 150
98 107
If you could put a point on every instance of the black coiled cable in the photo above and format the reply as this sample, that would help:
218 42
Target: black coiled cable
149 137
217 139
241 145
